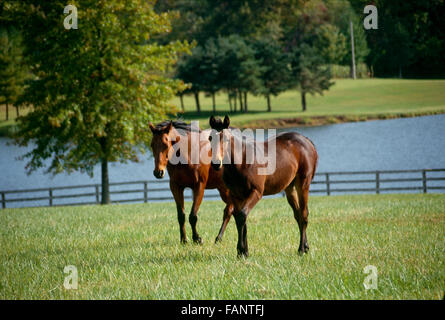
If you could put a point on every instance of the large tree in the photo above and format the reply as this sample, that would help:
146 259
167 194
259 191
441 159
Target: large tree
97 86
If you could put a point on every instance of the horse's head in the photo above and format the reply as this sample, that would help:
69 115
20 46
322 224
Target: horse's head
216 140
161 145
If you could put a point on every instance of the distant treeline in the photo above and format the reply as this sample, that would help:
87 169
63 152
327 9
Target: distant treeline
266 47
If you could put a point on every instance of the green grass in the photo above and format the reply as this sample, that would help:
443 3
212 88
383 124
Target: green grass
8 127
356 99
133 251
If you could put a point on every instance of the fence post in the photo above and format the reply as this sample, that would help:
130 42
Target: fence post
145 192
377 182
328 186
3 200
424 181
50 197
97 194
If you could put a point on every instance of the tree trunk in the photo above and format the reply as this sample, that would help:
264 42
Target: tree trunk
198 107
241 107
303 100
213 100
245 102
181 97
269 108
105 182
17 111
235 102
230 102
7 112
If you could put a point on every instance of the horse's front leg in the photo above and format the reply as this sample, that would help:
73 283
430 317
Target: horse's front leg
228 211
198 193
241 219
178 194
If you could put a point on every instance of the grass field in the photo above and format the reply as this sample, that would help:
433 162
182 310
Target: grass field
354 99
133 251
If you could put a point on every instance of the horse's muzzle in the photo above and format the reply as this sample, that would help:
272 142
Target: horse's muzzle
159 173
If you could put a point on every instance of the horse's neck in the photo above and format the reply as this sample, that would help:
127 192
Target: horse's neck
238 140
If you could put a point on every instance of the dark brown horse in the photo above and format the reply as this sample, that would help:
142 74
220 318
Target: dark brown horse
293 171
197 175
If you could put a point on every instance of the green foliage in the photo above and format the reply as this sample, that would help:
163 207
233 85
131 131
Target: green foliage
97 86
311 49
13 70
341 14
275 73
410 39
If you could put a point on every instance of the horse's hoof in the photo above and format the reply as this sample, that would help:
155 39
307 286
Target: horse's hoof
184 241
306 249
218 239
300 252
197 240
242 255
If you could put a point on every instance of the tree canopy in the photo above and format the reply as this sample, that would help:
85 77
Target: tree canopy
96 87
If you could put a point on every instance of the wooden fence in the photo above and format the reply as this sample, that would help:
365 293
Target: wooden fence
426 180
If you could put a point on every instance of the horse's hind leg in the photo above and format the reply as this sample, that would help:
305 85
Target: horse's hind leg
303 197
300 213
198 193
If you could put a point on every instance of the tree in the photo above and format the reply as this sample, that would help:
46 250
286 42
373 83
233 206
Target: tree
189 71
98 86
13 71
309 33
341 14
312 75
240 71
275 74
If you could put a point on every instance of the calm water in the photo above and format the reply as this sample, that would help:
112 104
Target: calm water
412 143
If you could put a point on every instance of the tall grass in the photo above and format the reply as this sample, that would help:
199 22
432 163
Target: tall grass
133 251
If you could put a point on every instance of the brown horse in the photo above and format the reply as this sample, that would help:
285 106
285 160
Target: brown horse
295 165
187 174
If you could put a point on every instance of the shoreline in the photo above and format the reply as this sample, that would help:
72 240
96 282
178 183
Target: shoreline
314 121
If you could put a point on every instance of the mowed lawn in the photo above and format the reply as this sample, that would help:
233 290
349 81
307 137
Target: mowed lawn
133 251
347 97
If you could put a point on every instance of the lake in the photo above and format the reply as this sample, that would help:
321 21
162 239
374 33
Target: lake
397 144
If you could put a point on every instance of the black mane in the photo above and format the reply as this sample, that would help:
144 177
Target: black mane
181 125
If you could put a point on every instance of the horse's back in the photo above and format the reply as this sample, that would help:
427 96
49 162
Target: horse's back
302 148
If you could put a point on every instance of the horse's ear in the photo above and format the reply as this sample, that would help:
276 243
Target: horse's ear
212 122
226 122
152 128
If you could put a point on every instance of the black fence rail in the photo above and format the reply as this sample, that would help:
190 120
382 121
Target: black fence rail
328 183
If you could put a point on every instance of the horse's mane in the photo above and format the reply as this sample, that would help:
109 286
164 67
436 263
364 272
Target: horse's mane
176 124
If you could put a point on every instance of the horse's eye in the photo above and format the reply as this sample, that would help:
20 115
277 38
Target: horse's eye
210 138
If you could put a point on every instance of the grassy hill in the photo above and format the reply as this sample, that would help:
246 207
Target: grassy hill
133 251
347 100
